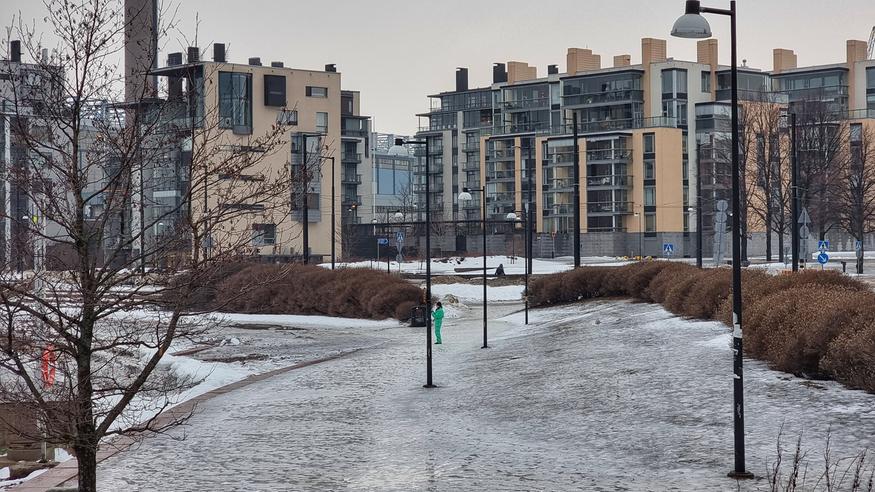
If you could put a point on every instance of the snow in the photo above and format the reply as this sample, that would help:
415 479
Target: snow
608 395
452 265
9 483
299 320
474 292
4 473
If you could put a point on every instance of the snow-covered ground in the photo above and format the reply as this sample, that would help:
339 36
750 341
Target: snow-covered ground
607 395
474 292
460 265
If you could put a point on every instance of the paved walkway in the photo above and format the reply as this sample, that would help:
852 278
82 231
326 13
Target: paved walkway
599 396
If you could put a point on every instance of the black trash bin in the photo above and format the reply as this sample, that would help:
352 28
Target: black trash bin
418 316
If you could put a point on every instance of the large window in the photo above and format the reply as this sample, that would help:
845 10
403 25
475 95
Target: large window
649 143
313 91
263 234
235 101
649 196
322 122
706 81
274 90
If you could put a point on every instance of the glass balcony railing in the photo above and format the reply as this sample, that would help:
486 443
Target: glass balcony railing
608 155
608 207
609 181
351 179
351 157
542 102
602 97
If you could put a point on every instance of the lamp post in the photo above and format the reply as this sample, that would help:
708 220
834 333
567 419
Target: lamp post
697 209
399 149
693 25
794 192
398 216
333 214
465 196
513 217
305 176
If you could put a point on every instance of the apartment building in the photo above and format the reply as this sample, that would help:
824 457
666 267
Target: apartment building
355 158
647 133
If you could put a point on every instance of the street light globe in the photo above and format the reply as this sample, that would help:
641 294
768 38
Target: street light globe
398 149
399 216
512 216
373 221
691 26
691 209
465 196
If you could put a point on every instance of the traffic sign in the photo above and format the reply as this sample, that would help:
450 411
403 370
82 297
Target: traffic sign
823 246
382 241
804 232
399 237
858 245
804 218
668 249
822 258
722 205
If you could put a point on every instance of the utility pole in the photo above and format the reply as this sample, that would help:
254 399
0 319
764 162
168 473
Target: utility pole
305 216
794 190
576 188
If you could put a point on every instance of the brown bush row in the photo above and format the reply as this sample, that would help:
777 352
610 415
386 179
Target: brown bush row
303 289
813 323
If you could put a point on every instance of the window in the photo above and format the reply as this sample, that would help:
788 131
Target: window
649 143
274 90
287 117
322 122
649 222
649 196
235 101
856 133
706 81
649 169
263 234
317 91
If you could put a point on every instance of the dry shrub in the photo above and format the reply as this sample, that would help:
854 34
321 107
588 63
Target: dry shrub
706 293
636 277
304 289
851 355
669 276
754 286
793 328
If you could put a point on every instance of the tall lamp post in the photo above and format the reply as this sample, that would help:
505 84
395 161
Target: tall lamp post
640 234
514 218
399 149
333 216
693 25
465 196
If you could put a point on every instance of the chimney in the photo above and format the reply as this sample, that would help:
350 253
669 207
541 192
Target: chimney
174 59
499 73
256 61
276 64
219 52
783 59
141 47
552 69
15 51
579 60
856 51
520 71
652 51
706 52
331 67
461 79
622 61
194 54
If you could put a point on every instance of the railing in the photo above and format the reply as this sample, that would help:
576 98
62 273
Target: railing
351 179
353 132
471 147
560 209
351 157
351 200
526 103
608 207
502 197
498 155
608 155
521 128
608 181
602 97
472 166
437 128
558 184
502 175
612 125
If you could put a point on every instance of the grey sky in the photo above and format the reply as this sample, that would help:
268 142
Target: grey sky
398 51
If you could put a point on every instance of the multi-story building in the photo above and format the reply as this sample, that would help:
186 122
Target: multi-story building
392 186
647 133
355 157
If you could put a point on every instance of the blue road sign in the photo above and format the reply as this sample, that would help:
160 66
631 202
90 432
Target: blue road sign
822 258
382 240
823 245
668 248
399 237
858 245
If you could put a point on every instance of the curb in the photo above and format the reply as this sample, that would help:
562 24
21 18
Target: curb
56 477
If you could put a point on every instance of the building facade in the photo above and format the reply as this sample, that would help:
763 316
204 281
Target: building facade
648 133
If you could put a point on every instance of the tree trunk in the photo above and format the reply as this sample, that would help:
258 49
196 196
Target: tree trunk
86 457
768 234
781 255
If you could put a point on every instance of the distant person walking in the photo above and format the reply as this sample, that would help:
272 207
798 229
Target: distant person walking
438 315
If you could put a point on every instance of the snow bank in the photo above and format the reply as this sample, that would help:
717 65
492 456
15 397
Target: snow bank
473 292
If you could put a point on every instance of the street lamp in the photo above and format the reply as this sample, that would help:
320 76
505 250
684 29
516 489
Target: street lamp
465 196
333 214
398 150
512 216
693 25
398 216
698 210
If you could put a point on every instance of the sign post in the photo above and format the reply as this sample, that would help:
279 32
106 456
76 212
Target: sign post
804 232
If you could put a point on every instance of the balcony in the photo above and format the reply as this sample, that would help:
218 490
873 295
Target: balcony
471 147
609 181
600 98
472 166
561 184
608 155
502 197
615 125
543 127
351 157
501 155
593 208
542 102
351 179
350 200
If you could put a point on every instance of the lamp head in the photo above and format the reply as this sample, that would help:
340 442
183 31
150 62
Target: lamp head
399 149
512 216
465 195
691 25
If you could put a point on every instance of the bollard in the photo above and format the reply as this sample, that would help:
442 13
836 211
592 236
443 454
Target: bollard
844 267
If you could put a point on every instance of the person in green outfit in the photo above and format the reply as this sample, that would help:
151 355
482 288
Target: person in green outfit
438 315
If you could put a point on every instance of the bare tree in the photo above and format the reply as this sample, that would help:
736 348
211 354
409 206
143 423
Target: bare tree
102 324
855 189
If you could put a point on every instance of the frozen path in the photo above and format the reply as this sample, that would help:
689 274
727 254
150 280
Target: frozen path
597 396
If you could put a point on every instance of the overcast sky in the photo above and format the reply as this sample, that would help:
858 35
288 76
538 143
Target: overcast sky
397 51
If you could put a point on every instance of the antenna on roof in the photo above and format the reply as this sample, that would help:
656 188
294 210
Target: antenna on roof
871 50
